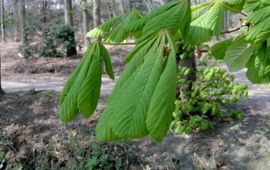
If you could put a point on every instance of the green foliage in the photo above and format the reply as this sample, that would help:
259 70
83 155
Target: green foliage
104 156
212 91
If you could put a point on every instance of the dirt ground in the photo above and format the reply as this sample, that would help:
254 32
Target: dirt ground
16 68
31 136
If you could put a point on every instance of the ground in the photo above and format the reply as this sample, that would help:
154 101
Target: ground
32 136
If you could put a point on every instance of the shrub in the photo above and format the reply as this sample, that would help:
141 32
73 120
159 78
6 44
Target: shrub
212 92
58 42
64 35
26 50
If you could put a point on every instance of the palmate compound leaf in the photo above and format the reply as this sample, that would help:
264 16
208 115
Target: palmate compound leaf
82 90
137 91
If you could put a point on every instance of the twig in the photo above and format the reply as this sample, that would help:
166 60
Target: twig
231 31
133 43
242 13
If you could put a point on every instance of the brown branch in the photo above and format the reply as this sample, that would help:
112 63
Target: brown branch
131 43
231 31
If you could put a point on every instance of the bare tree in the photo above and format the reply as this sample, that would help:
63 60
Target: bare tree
85 21
68 12
71 50
137 4
17 19
122 6
43 9
96 13
1 90
3 20
22 22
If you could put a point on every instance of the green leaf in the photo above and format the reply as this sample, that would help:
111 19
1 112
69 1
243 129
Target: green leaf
219 49
260 30
89 90
253 5
105 28
237 55
125 115
159 115
215 17
172 17
200 9
131 24
136 59
259 66
107 60
129 122
259 16
69 109
199 31
234 5
82 90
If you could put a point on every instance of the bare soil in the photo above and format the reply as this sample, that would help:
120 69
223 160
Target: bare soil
40 69
32 137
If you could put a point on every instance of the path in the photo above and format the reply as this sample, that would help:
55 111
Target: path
11 86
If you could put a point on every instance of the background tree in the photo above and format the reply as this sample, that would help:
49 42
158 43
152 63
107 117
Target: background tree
70 49
2 13
96 13
22 17
68 13
1 90
85 21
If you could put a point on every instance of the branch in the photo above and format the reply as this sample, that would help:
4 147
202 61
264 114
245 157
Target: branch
231 31
132 43
244 14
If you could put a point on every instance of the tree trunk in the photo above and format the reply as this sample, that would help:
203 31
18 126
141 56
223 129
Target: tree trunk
22 22
96 13
71 49
112 8
186 58
1 90
17 20
85 22
68 13
3 35
136 4
122 6
44 7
